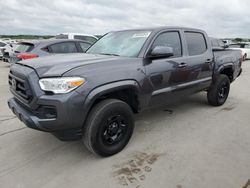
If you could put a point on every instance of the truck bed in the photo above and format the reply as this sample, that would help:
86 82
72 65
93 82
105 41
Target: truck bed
227 57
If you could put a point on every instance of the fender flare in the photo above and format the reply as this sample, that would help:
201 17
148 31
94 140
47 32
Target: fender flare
107 88
221 68
225 66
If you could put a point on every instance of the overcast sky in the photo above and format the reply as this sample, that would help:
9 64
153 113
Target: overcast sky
220 18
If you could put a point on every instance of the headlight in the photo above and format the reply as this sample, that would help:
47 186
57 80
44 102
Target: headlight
61 85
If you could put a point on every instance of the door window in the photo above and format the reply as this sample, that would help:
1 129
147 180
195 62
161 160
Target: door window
170 39
196 43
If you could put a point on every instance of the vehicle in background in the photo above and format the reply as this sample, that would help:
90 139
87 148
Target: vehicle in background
7 40
227 42
244 47
2 45
79 36
93 96
7 50
39 48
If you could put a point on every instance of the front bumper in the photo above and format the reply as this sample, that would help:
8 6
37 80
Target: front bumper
28 118
67 125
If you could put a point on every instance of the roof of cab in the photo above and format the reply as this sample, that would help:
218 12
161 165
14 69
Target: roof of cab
163 28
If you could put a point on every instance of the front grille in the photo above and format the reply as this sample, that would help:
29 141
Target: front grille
20 88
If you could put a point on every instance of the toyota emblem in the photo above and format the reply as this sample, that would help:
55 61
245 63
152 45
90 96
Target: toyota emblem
13 83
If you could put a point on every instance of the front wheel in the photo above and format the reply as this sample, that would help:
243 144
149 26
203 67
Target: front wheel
109 127
218 91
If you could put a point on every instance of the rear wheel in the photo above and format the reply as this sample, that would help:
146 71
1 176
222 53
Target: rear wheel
218 91
109 127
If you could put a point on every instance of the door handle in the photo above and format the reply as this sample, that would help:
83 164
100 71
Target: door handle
182 65
208 61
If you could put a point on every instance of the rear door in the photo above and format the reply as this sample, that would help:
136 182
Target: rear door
199 60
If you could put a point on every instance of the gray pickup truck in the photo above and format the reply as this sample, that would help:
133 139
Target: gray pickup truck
94 96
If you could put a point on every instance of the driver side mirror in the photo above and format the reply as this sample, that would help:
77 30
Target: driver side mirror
161 51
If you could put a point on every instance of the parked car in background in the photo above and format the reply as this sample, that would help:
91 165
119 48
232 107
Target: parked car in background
79 36
227 42
8 40
93 96
38 48
7 50
2 45
244 47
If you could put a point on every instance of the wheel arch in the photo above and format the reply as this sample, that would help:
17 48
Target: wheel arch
227 70
126 90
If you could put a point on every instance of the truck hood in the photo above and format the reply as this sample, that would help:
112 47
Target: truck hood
57 65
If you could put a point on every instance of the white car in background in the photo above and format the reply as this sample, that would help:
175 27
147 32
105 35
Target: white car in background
80 36
6 50
7 40
227 42
244 47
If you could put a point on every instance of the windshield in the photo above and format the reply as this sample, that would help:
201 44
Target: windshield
121 43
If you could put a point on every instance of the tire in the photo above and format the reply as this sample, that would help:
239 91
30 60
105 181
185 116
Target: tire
219 91
108 128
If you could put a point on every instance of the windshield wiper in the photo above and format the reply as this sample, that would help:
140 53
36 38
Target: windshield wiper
109 54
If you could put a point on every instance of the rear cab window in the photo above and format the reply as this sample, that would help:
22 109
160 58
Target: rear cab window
215 43
63 47
196 43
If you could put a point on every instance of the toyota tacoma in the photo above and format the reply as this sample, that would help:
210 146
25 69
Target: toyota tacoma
94 96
